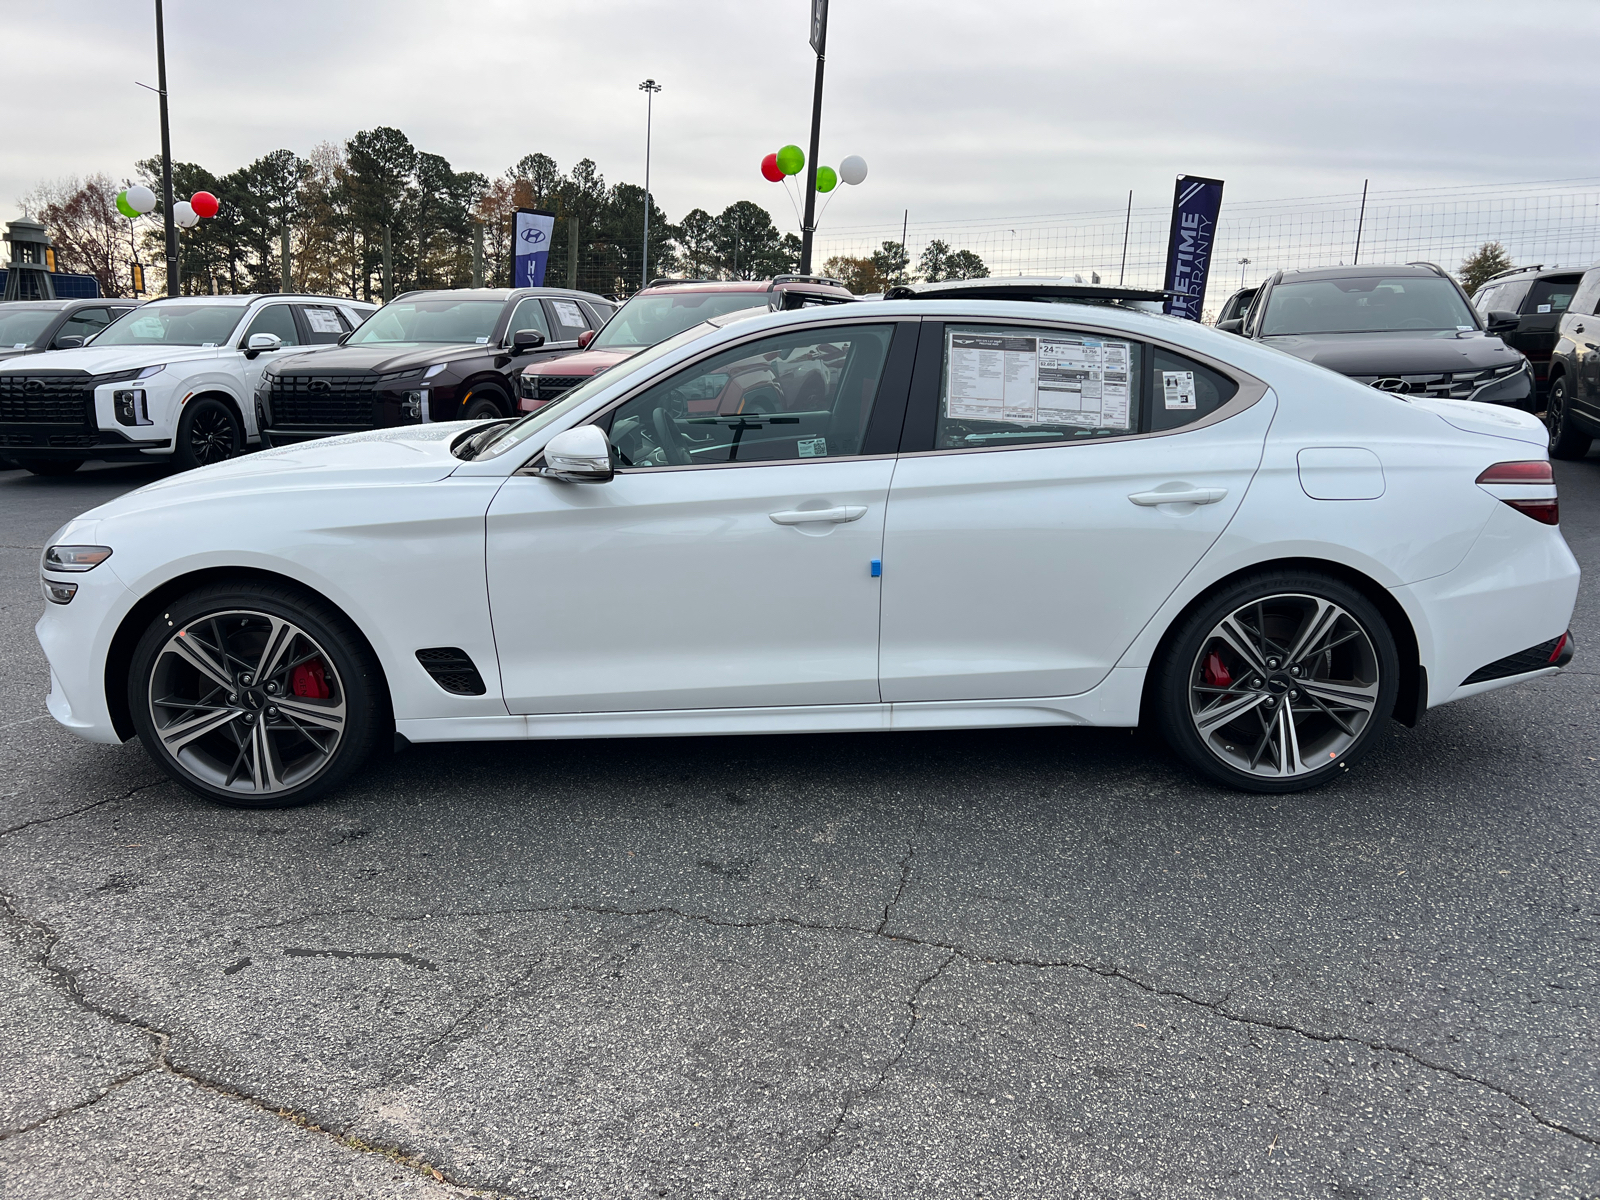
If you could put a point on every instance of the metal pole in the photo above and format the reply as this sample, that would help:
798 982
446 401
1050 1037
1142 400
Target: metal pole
285 281
572 252
166 157
649 87
808 227
905 255
1360 221
388 267
1127 224
477 254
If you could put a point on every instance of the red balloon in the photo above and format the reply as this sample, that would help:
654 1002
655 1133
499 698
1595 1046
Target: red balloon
204 204
770 169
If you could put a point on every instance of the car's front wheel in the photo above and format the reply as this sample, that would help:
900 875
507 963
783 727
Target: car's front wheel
255 695
208 433
1566 440
1279 682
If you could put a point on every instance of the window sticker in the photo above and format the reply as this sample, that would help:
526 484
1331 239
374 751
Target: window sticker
569 314
1177 389
1544 308
1055 380
323 320
813 447
483 341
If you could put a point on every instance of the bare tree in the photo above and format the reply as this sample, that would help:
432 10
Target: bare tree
90 236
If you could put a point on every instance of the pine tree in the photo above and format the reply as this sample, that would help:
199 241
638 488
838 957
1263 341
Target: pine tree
1488 260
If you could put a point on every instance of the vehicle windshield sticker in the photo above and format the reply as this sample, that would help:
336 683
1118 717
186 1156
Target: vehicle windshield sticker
569 314
813 447
207 345
323 320
20 346
1178 388
1058 380
482 341
1544 308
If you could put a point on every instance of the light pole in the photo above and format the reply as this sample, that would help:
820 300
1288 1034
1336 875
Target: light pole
166 158
819 43
649 87
1243 263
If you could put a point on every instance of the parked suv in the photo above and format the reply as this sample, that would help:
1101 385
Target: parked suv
170 380
1537 297
666 307
426 356
1404 329
34 326
1572 405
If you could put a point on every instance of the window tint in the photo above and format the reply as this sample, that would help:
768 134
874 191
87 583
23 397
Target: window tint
806 394
567 318
1583 301
325 325
1004 386
529 314
1509 296
1483 298
1183 391
85 323
1554 293
275 318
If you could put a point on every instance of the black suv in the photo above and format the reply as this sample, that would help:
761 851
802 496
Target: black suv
1572 406
1536 296
1404 329
33 326
424 356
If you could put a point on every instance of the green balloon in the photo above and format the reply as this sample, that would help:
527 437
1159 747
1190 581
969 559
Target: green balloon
826 179
791 160
124 207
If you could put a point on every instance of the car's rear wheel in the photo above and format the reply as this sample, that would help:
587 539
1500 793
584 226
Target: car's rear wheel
208 433
1566 441
1279 682
50 466
255 696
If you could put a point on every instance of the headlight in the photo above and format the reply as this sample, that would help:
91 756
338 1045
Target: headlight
57 592
133 373
75 558
434 370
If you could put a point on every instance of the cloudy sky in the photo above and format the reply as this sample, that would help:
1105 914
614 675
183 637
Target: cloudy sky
963 109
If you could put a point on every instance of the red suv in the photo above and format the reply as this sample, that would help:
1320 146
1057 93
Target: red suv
664 308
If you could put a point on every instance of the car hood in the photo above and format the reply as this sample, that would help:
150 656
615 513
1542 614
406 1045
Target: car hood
407 455
1496 420
584 362
5 354
1421 352
389 356
102 360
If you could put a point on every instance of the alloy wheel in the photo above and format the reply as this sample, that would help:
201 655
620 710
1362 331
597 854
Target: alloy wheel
247 702
1284 685
211 435
1555 411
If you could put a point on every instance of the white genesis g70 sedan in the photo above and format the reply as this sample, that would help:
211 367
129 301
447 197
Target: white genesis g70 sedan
923 514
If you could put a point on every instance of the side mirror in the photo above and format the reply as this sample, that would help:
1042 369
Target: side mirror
585 338
581 455
71 342
260 342
1232 325
1503 322
525 341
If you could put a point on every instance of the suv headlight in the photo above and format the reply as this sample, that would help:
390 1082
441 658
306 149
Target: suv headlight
133 373
75 558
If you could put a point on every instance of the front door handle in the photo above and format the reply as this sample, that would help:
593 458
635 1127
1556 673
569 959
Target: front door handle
835 516
1186 496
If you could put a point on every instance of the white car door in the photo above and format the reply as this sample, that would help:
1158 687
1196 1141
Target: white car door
276 318
732 561
1028 538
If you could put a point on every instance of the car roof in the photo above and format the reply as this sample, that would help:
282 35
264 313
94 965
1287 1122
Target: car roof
251 297
1052 289
1538 271
497 293
1390 270
819 283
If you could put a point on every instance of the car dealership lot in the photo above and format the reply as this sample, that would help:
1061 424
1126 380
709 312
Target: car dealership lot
1016 962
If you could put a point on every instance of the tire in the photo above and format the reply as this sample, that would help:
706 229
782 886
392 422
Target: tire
207 433
236 739
1566 441
50 466
1241 726
485 404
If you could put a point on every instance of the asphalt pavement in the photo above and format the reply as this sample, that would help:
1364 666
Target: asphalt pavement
1026 963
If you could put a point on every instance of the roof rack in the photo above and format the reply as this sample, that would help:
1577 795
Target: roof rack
1001 288
1515 271
777 279
1434 267
665 280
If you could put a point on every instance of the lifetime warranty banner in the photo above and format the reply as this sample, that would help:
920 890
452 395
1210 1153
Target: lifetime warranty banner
1195 205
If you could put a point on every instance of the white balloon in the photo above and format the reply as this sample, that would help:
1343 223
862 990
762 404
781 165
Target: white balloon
184 215
140 198
853 169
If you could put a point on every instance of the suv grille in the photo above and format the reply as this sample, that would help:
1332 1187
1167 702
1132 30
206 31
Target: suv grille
342 401
1458 385
47 399
545 388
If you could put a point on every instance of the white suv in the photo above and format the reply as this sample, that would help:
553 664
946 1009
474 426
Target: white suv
174 379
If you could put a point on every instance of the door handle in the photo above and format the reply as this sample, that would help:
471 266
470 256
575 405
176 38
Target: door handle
835 516
1186 496
1579 328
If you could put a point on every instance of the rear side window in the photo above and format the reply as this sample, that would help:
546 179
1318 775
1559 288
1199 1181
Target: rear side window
324 325
568 319
1551 295
1183 391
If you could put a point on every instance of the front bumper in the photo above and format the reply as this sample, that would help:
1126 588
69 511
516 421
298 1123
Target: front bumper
23 440
76 639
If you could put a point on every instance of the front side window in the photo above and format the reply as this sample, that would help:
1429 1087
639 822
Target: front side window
1483 298
275 318
648 319
1007 386
529 314
794 396
1365 304
85 323
445 320
175 324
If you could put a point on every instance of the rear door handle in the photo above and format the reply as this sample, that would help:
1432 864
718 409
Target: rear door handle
835 516
1186 496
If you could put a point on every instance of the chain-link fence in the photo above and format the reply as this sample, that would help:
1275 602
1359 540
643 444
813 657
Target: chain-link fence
1548 221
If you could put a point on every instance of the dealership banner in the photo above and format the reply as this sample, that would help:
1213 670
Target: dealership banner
1195 205
535 228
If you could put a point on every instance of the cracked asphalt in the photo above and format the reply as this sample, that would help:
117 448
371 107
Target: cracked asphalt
1028 963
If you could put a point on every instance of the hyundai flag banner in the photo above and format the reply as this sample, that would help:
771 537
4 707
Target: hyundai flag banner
535 228
1195 204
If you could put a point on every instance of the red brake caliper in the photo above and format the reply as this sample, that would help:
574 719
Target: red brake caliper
1215 672
309 680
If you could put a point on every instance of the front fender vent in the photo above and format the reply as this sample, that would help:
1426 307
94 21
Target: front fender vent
452 670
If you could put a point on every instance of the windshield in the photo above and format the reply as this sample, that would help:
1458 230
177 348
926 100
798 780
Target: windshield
531 424
173 325
459 321
19 330
646 320
1368 304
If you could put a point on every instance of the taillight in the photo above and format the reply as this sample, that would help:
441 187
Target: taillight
1535 472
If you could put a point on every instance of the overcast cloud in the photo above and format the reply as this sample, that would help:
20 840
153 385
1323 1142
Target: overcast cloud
962 109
